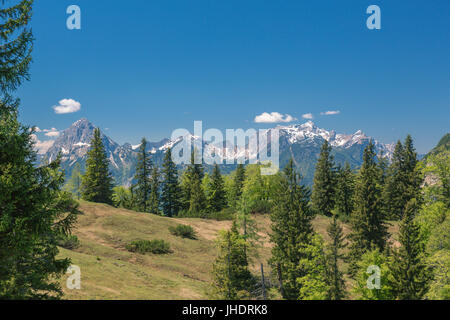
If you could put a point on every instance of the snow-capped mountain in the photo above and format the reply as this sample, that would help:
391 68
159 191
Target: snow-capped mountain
302 142
309 132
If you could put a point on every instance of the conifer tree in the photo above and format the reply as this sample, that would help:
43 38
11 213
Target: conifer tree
194 199
142 187
16 46
97 182
170 192
403 181
324 183
238 185
368 222
345 189
154 202
410 274
217 196
34 211
335 277
291 231
394 190
232 279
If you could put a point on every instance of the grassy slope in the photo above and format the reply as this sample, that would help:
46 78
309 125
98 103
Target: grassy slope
108 271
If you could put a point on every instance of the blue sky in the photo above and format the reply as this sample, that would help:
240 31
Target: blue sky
144 68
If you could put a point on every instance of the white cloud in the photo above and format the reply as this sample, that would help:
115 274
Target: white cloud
274 117
67 106
52 134
42 147
330 113
308 116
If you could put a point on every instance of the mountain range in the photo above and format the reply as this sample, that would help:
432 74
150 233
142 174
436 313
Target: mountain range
302 142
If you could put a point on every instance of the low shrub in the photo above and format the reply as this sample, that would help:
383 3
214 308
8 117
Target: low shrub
183 231
68 242
152 246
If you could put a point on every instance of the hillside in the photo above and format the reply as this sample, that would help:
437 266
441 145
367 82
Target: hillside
109 271
442 146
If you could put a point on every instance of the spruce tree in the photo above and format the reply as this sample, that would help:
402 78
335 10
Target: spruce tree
97 182
410 273
232 279
217 196
291 231
324 183
16 46
142 187
345 189
34 211
154 202
170 191
403 180
238 185
368 222
193 199
394 190
335 277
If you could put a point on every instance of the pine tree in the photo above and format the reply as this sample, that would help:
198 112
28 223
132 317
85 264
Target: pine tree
368 222
170 192
395 184
345 189
403 180
410 274
324 182
238 185
155 191
335 277
232 279
142 186
97 182
34 211
217 196
193 198
16 46
291 231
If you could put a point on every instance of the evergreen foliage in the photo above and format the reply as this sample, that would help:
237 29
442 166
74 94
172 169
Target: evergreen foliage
335 277
238 185
232 279
170 192
143 186
97 182
403 181
345 190
216 191
410 274
291 231
369 229
323 195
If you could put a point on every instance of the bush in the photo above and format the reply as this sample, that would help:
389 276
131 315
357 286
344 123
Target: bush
68 242
152 246
183 231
